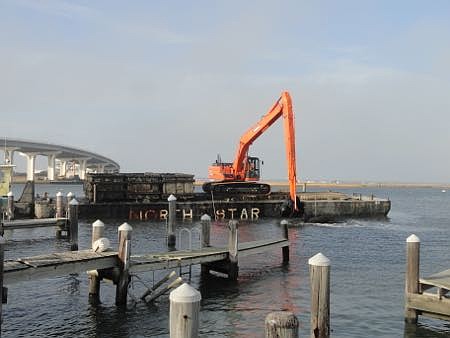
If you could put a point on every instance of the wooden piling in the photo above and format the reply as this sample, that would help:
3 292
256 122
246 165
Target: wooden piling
319 272
184 312
281 324
98 228
73 224
412 275
171 239
233 267
94 286
2 259
285 249
124 254
59 213
205 221
10 210
94 277
59 205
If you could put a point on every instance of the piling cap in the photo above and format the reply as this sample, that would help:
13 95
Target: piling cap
172 198
125 227
319 260
413 239
74 202
185 294
70 194
98 223
59 194
205 217
10 194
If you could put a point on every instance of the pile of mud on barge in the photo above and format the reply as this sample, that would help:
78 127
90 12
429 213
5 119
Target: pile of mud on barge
143 196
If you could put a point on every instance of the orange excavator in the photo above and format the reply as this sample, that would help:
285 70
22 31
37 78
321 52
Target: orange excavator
241 176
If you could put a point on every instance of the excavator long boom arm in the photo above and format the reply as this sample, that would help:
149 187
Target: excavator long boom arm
282 107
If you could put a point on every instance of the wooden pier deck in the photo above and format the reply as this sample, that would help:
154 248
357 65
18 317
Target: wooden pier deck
59 264
33 223
419 300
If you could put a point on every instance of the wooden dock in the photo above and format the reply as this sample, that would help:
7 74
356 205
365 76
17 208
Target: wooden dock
60 264
119 266
418 298
34 223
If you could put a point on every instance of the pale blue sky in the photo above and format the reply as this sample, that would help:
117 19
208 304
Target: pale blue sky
166 85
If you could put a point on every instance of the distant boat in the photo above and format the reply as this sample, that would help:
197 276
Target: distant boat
443 190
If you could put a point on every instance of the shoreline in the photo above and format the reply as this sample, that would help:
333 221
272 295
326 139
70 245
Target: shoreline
327 185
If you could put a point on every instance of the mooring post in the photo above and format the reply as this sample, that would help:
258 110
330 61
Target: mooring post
319 273
73 224
184 312
94 286
93 275
233 268
2 258
281 324
285 249
10 206
124 254
205 221
59 213
59 205
70 196
412 275
98 228
171 239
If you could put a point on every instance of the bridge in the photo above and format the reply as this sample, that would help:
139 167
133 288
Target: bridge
61 158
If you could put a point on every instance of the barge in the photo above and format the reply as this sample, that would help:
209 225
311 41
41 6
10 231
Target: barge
143 196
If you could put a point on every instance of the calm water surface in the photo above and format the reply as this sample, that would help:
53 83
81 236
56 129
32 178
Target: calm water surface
367 278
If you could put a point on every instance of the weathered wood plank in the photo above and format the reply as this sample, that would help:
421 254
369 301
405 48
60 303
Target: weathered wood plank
429 303
440 279
34 223
57 264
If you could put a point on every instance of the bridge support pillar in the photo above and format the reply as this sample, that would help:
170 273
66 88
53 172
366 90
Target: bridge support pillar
63 168
100 168
51 167
83 165
31 164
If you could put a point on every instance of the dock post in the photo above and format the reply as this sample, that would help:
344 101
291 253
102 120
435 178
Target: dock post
184 312
2 258
281 324
124 254
94 278
412 275
94 286
205 220
10 206
171 239
73 224
98 228
319 273
59 205
70 197
59 213
285 249
233 268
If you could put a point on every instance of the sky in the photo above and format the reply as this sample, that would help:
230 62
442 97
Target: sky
165 86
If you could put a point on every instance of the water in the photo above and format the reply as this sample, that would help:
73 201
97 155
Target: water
367 278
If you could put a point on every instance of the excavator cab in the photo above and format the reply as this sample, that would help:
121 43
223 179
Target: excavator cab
254 169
